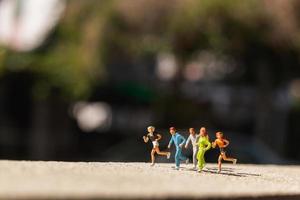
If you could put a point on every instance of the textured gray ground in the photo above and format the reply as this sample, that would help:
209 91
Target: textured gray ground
27 180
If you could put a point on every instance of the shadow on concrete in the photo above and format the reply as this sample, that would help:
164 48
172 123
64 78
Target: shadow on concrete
225 171
228 172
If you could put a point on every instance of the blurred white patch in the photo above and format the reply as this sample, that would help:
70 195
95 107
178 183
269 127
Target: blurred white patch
92 116
166 68
24 24
209 67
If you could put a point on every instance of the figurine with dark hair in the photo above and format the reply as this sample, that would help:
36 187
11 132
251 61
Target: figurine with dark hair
178 141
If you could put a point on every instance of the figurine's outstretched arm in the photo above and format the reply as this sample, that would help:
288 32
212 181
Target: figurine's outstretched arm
187 142
183 141
208 145
146 139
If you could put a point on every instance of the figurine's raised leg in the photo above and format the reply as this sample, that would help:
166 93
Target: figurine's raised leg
162 153
179 157
233 160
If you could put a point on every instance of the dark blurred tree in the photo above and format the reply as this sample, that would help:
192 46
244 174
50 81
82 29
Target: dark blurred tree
70 61
92 33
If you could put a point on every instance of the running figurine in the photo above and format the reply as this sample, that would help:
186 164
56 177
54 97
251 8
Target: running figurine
222 144
179 141
154 138
193 137
204 145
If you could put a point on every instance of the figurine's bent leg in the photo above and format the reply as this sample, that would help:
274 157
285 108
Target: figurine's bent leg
152 156
195 151
181 156
198 157
162 153
177 158
233 160
201 160
219 163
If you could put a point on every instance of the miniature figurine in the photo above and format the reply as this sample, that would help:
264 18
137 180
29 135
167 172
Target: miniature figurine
179 141
154 138
193 137
204 145
222 144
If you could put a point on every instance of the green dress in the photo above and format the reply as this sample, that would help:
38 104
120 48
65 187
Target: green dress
204 145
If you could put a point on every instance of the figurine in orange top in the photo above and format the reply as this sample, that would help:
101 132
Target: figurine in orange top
222 144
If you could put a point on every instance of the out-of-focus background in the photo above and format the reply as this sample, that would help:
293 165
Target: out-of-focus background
81 80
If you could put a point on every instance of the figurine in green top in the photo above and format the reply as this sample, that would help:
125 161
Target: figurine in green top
203 145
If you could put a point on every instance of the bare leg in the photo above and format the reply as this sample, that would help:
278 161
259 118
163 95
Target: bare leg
162 153
233 160
152 157
219 163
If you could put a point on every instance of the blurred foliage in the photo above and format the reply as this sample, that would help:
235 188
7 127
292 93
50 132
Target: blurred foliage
93 33
70 60
2 59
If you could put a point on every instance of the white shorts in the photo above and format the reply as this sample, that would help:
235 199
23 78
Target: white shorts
155 144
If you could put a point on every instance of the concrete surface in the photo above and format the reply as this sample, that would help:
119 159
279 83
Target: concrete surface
94 180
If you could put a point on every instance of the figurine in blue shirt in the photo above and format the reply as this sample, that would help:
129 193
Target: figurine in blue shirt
179 141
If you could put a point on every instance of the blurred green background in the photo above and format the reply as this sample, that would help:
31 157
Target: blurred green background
106 70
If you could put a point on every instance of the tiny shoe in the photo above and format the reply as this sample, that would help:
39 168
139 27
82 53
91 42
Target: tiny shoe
168 155
234 162
199 170
219 171
177 168
152 164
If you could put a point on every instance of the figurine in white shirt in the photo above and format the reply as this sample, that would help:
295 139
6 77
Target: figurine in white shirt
193 137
